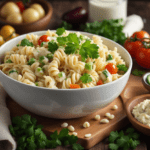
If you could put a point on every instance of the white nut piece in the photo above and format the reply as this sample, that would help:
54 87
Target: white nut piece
86 124
71 128
115 107
107 114
104 121
64 125
87 135
97 117
75 133
111 116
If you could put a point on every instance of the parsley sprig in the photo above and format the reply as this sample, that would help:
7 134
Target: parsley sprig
26 42
121 140
85 78
30 136
137 72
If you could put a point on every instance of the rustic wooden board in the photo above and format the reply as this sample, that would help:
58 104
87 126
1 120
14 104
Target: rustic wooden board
99 131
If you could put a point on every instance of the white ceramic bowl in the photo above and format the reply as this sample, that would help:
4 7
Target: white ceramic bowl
64 103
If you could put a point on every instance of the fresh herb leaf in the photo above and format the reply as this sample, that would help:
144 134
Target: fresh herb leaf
70 48
31 61
109 57
72 38
88 50
13 71
8 61
113 146
36 83
60 31
85 78
122 67
111 29
52 46
76 146
66 25
39 69
137 72
62 40
42 44
49 56
18 45
113 136
89 66
25 42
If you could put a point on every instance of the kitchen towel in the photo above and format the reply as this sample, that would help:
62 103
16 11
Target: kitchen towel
6 140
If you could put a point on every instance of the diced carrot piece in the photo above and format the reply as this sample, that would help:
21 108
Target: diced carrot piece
74 86
111 68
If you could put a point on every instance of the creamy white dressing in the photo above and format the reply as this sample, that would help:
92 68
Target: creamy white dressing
142 112
107 9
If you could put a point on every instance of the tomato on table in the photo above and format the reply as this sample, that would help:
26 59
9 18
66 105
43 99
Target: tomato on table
140 34
21 6
143 56
132 46
43 38
111 68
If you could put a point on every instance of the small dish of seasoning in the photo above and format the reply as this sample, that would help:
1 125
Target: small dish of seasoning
146 81
138 112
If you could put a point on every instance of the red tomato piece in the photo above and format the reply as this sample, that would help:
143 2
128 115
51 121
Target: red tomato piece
100 82
43 38
143 57
111 68
21 6
132 47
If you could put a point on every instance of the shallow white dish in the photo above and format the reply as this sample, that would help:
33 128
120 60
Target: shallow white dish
64 103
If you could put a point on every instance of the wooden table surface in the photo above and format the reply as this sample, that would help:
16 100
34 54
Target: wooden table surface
134 7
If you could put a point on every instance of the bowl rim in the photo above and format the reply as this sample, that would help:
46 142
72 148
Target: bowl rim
49 14
45 88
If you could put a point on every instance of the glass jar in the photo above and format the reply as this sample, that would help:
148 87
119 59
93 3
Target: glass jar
107 9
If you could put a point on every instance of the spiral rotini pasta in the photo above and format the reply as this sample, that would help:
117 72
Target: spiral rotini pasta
66 60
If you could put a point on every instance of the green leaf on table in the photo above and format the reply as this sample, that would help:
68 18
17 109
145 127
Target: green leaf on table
137 72
113 146
76 146
113 136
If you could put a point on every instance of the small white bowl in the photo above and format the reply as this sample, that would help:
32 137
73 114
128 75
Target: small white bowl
64 103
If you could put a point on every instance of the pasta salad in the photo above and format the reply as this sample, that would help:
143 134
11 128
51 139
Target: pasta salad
63 60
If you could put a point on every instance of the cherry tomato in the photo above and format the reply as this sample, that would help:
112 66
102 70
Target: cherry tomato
43 38
143 57
132 47
111 68
140 34
100 82
21 6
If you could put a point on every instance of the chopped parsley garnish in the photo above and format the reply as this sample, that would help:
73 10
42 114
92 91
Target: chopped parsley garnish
72 37
62 40
137 72
125 141
60 74
88 50
29 135
89 66
105 72
86 78
13 71
52 46
36 83
111 29
42 44
60 31
8 61
41 58
18 45
49 56
31 61
82 37
109 57
25 42
122 67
